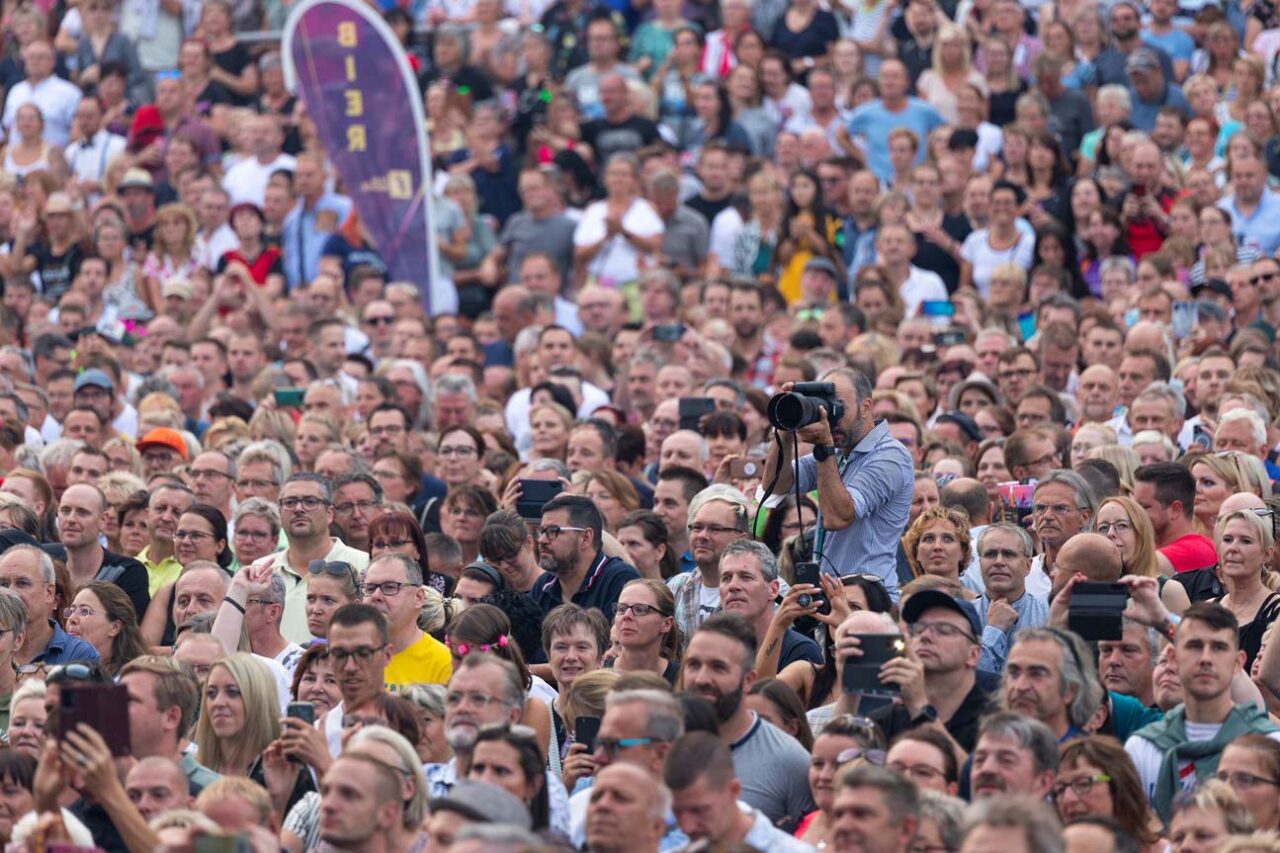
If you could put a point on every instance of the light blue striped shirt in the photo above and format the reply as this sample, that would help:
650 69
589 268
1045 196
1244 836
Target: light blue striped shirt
1032 613
880 479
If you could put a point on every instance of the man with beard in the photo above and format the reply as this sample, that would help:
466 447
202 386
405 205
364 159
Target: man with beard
1127 665
1177 753
1166 492
1097 394
864 479
938 678
575 567
719 666
1050 677
1015 755
757 349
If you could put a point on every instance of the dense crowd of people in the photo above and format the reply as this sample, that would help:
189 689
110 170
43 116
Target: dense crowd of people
577 555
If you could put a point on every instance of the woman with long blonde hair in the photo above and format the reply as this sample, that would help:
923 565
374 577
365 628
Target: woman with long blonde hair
952 67
1217 476
239 716
171 254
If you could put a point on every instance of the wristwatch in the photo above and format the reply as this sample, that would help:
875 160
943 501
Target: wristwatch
823 452
928 714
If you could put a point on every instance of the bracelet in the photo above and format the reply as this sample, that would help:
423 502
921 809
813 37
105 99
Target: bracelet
1167 629
237 605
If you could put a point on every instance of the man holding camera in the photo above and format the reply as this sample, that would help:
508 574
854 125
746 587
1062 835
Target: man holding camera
863 476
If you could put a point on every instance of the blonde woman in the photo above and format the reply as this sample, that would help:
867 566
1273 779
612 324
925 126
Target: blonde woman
239 717
952 67
613 494
1125 460
171 254
1089 437
316 431
1216 478
1124 522
1245 543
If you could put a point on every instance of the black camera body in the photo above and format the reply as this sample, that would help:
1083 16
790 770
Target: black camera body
798 407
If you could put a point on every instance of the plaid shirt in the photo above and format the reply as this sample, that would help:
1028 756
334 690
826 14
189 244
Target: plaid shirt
685 587
760 369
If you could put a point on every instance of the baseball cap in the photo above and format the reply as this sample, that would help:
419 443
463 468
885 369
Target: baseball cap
1142 59
136 178
927 599
967 424
95 377
1213 285
169 439
1212 310
482 802
822 265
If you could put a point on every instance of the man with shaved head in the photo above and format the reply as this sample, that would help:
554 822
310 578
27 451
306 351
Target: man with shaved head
82 512
156 784
1097 394
1090 554
685 448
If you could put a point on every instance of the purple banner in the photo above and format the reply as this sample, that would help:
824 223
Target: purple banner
344 62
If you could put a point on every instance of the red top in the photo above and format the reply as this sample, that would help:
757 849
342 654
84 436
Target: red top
269 261
1191 552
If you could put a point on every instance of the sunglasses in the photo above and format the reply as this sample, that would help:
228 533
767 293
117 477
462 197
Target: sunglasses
335 568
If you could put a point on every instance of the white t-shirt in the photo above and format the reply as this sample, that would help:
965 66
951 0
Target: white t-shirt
724 233
1147 758
978 252
618 261
921 286
708 599
247 180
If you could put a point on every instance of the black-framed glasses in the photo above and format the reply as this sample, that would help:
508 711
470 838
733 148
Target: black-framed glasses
389 589
942 629
637 610
336 568
309 503
362 654
712 529
553 531
1243 780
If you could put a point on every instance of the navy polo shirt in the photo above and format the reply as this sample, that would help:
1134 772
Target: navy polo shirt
600 588
64 648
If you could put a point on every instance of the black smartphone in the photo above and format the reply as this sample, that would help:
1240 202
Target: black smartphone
534 494
290 398
99 706
862 675
304 711
810 573
949 338
693 409
585 731
668 333
1096 610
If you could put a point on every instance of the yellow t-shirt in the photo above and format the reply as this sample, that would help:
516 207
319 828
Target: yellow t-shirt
161 573
425 662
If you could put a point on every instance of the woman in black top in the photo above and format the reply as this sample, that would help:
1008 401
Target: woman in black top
233 68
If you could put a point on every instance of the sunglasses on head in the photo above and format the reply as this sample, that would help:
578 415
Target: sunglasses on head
336 568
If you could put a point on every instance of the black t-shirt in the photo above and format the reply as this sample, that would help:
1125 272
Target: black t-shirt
930 256
56 271
234 60
708 208
140 241
607 138
472 79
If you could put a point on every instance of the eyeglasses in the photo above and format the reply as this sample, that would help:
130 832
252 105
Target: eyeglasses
207 474
920 772
1080 787
362 654
256 484
1056 509
611 746
853 753
337 568
480 700
309 504
637 610
1240 779
462 451
193 535
83 611
1261 277
389 589
712 529
261 602
1120 527
365 507
942 629
553 531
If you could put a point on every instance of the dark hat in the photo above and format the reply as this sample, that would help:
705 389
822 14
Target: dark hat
966 423
822 265
927 599
1142 59
1213 285
962 139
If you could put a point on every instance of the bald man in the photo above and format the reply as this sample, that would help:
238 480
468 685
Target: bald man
1097 393
1240 500
1089 554
627 810
683 447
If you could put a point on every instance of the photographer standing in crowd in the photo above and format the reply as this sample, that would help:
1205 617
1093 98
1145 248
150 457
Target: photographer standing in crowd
863 474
